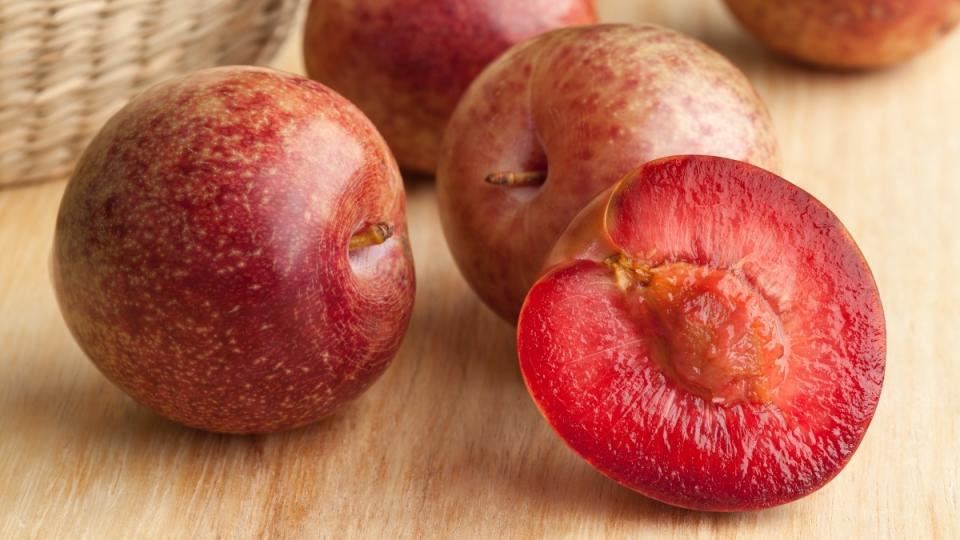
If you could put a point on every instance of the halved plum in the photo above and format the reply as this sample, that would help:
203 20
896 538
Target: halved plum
708 335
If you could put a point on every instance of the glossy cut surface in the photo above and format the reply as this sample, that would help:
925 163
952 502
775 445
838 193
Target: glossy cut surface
848 34
586 105
406 63
201 251
589 348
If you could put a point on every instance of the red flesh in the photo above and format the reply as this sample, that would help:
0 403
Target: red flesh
590 357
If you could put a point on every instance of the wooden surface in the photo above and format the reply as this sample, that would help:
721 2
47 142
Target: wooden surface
447 443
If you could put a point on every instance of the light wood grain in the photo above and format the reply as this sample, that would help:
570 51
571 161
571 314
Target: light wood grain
447 443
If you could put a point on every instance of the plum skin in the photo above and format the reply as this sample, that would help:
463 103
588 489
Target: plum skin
587 105
201 256
406 63
848 34
588 365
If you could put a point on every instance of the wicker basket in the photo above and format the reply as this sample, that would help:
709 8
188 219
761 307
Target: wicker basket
67 65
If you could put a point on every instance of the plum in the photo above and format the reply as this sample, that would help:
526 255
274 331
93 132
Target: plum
709 335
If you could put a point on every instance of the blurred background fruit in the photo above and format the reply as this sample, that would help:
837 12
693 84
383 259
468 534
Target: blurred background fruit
848 34
406 63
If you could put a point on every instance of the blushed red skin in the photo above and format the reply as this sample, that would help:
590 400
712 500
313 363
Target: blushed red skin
587 104
201 261
848 34
587 361
406 63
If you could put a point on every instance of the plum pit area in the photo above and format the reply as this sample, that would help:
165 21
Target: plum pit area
708 329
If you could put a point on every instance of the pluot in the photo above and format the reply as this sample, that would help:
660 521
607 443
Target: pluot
232 251
562 117
848 34
709 335
406 63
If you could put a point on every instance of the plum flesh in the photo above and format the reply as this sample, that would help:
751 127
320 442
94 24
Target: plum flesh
709 335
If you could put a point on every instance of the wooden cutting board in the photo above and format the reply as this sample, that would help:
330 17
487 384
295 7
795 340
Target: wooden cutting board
447 444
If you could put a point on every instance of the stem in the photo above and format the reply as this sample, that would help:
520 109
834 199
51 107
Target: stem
511 178
371 236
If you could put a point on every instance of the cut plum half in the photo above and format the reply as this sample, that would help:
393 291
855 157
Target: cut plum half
708 335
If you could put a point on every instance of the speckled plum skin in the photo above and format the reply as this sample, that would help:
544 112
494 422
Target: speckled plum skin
779 305
406 63
588 105
201 251
848 34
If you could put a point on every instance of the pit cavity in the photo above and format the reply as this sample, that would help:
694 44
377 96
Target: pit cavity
708 329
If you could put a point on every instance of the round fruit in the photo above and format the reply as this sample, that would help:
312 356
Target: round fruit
848 34
232 251
709 335
561 118
406 63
